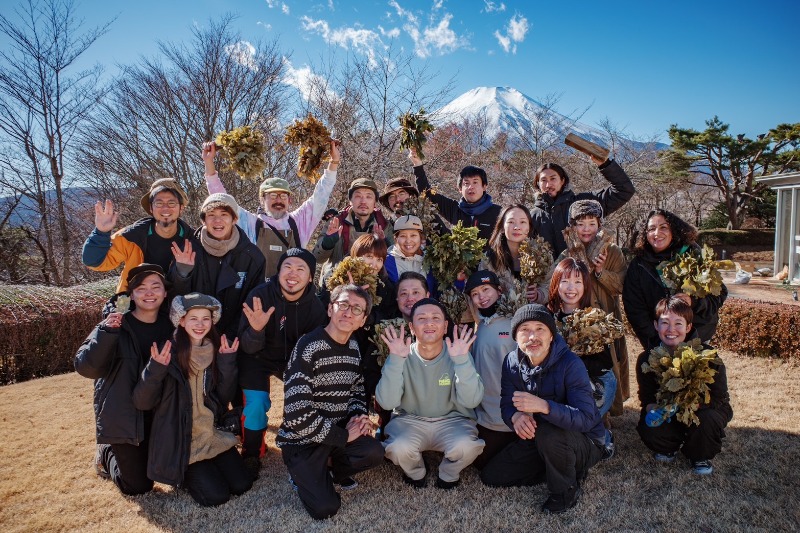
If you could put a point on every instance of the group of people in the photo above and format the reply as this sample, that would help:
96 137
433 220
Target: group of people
204 318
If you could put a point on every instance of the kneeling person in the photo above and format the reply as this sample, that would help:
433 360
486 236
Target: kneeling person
433 388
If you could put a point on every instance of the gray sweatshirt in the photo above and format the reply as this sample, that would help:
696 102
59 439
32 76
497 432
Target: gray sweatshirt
492 344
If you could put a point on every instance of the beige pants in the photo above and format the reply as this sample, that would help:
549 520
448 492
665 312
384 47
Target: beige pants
408 436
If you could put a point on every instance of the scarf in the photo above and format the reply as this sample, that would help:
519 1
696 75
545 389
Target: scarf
201 357
489 311
215 247
477 208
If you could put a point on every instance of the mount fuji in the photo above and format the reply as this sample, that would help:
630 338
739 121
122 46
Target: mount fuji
506 110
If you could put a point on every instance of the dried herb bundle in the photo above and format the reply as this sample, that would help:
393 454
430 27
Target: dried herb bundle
243 151
123 304
362 275
683 378
421 206
511 300
381 350
455 302
313 138
414 126
535 260
693 275
589 331
577 250
458 251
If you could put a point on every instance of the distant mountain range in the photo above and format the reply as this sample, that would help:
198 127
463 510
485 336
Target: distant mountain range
506 110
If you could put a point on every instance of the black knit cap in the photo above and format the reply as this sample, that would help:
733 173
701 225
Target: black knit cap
303 254
533 312
481 277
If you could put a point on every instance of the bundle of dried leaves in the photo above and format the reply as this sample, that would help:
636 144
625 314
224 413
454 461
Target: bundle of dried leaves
458 251
243 151
381 349
694 274
422 207
511 300
122 304
454 302
589 331
577 250
683 378
535 260
413 128
313 138
361 274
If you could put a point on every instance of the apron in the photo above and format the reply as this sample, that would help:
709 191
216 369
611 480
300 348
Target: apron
273 243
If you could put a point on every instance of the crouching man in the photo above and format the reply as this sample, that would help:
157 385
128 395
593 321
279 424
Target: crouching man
546 398
325 407
433 388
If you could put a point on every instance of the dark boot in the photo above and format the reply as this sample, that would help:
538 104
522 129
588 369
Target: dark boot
561 503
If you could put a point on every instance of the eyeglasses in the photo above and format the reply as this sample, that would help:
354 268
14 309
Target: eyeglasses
344 305
275 195
172 204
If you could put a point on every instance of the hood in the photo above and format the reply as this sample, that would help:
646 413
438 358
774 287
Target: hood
397 254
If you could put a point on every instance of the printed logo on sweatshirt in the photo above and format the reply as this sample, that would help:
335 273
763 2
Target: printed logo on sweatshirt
444 380
282 322
504 334
242 277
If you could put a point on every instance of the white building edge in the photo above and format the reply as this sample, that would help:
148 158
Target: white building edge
787 222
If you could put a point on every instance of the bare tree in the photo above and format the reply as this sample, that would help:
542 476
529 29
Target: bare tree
44 100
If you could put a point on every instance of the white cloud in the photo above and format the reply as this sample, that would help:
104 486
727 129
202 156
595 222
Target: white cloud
435 37
516 30
244 53
265 25
285 9
359 39
272 4
394 33
305 81
492 6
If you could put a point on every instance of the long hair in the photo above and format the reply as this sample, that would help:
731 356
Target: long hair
558 169
500 258
682 232
564 269
183 350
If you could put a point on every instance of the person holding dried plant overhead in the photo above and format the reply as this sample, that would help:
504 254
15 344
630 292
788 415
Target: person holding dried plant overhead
686 420
551 209
475 208
273 228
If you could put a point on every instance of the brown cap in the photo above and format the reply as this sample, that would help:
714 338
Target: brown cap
164 184
362 183
394 185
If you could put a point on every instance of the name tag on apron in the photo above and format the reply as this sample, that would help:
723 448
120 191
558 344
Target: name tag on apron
273 248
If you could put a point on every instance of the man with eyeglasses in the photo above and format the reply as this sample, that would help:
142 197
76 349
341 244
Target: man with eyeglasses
154 239
326 435
273 228
276 314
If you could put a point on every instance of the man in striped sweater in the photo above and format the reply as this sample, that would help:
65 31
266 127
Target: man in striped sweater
325 408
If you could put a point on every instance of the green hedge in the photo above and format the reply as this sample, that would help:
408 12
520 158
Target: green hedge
738 237
759 329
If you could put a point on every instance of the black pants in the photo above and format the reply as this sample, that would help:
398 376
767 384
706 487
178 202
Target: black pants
127 466
308 466
495 441
213 481
695 442
560 457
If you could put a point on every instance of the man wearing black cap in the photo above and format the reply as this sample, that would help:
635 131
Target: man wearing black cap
154 239
362 216
546 399
276 314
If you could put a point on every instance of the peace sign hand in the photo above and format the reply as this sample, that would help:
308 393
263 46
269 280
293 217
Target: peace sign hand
163 357
395 342
463 339
226 348
105 218
185 256
256 315
334 227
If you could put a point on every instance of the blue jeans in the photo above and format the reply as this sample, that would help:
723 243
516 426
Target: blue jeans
609 381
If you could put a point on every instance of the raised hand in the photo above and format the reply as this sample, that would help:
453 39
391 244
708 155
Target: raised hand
597 161
256 316
163 356
336 155
461 343
334 226
524 425
185 256
105 218
378 231
113 320
414 158
224 347
532 293
395 341
209 152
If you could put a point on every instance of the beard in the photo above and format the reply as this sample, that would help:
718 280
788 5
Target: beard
277 215
166 223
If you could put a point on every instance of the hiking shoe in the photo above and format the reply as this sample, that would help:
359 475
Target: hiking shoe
702 467
416 483
99 465
446 485
347 483
253 466
608 448
664 457
561 503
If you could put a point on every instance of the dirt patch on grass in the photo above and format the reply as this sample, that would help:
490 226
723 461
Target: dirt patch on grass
48 482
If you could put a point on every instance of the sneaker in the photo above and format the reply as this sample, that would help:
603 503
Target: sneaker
416 483
446 485
664 457
99 465
253 466
702 467
609 448
347 483
561 503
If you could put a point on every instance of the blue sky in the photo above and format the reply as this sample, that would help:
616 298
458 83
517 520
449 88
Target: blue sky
644 64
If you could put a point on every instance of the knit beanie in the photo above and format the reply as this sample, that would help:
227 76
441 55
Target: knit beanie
183 304
220 199
481 277
533 312
303 254
585 208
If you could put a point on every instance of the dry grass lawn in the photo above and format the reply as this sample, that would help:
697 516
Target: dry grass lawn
47 482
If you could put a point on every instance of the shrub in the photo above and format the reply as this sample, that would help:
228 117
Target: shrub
42 327
738 237
759 329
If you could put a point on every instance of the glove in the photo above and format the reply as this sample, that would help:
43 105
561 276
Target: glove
659 415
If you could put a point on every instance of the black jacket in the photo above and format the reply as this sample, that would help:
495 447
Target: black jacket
238 273
551 215
643 289
113 359
451 211
268 351
165 390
